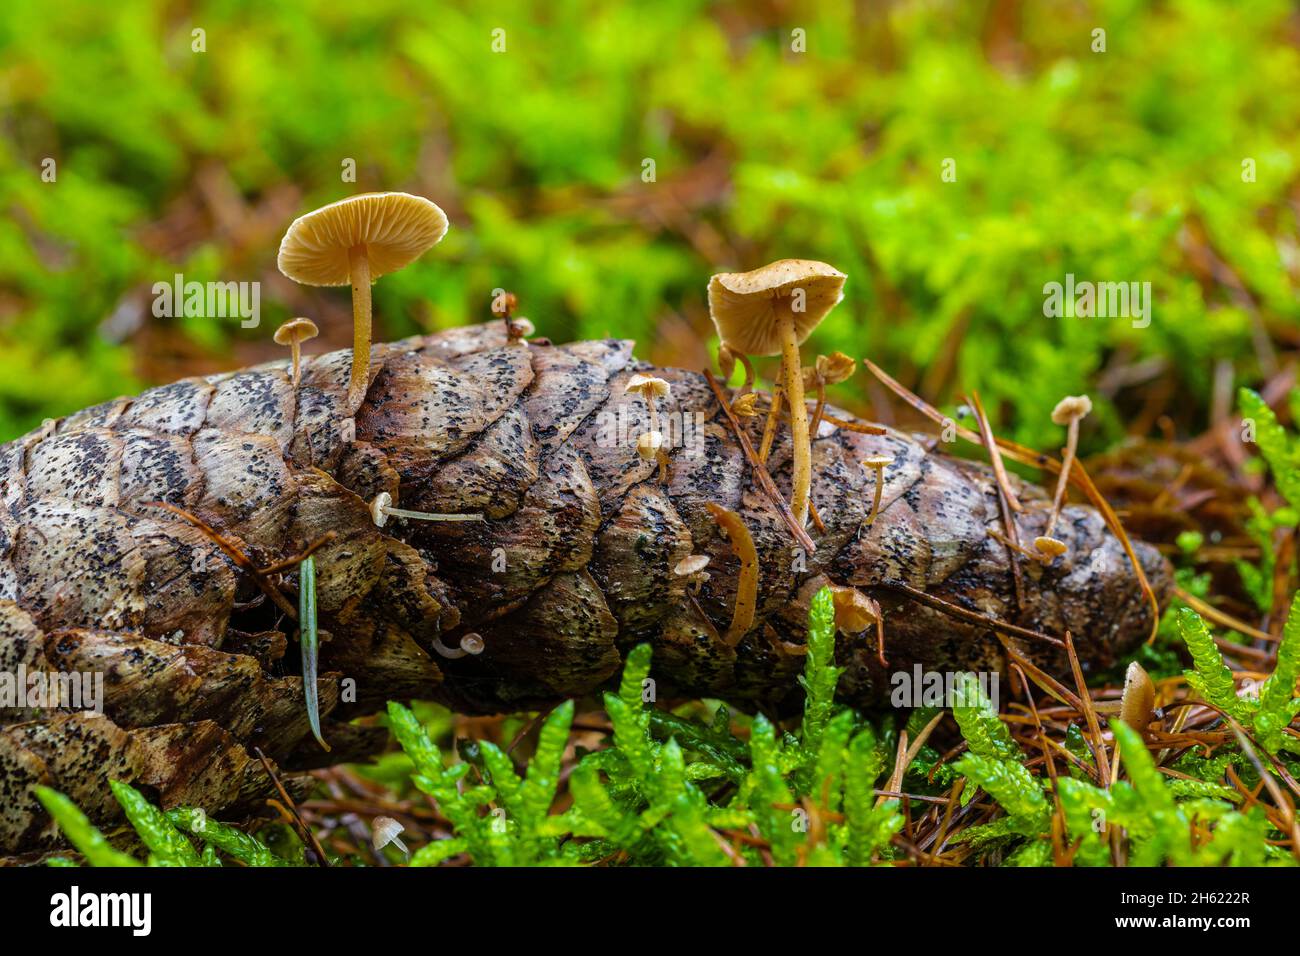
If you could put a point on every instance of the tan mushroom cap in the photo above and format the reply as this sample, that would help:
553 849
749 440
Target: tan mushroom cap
295 330
395 229
1070 408
648 385
648 445
854 611
1050 546
745 306
1139 700
691 564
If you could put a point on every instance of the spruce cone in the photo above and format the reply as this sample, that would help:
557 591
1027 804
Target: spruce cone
573 565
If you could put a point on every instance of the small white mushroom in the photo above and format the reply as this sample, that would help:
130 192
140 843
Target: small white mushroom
386 830
648 445
470 644
381 509
692 568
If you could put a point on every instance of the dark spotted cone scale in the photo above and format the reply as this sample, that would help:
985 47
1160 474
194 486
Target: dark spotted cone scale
573 565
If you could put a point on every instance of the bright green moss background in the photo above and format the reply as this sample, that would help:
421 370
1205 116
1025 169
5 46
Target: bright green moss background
1117 166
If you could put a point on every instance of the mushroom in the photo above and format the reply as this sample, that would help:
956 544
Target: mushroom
744 406
1069 411
517 329
381 509
471 644
692 568
1049 547
742 546
386 830
651 388
355 241
827 370
855 612
648 445
877 463
773 310
293 333
1138 703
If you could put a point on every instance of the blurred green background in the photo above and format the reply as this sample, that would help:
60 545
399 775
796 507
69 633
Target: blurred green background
1117 165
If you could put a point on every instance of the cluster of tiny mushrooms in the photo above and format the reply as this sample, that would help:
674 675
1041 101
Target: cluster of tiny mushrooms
769 311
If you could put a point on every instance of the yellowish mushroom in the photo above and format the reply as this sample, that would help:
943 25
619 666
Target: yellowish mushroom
878 464
355 241
1049 547
293 333
1138 704
855 612
1069 412
745 405
827 370
773 310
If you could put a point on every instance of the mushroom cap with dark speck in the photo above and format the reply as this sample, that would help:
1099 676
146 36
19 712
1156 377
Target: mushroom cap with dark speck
746 306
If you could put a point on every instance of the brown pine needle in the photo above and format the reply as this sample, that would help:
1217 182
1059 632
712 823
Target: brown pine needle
1008 504
907 753
1035 459
233 552
995 456
861 428
1050 685
297 559
1089 713
973 617
304 832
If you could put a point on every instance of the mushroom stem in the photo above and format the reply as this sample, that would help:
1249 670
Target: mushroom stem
359 267
295 350
802 482
661 456
381 509
879 468
748 385
773 416
1067 462
432 516
820 408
